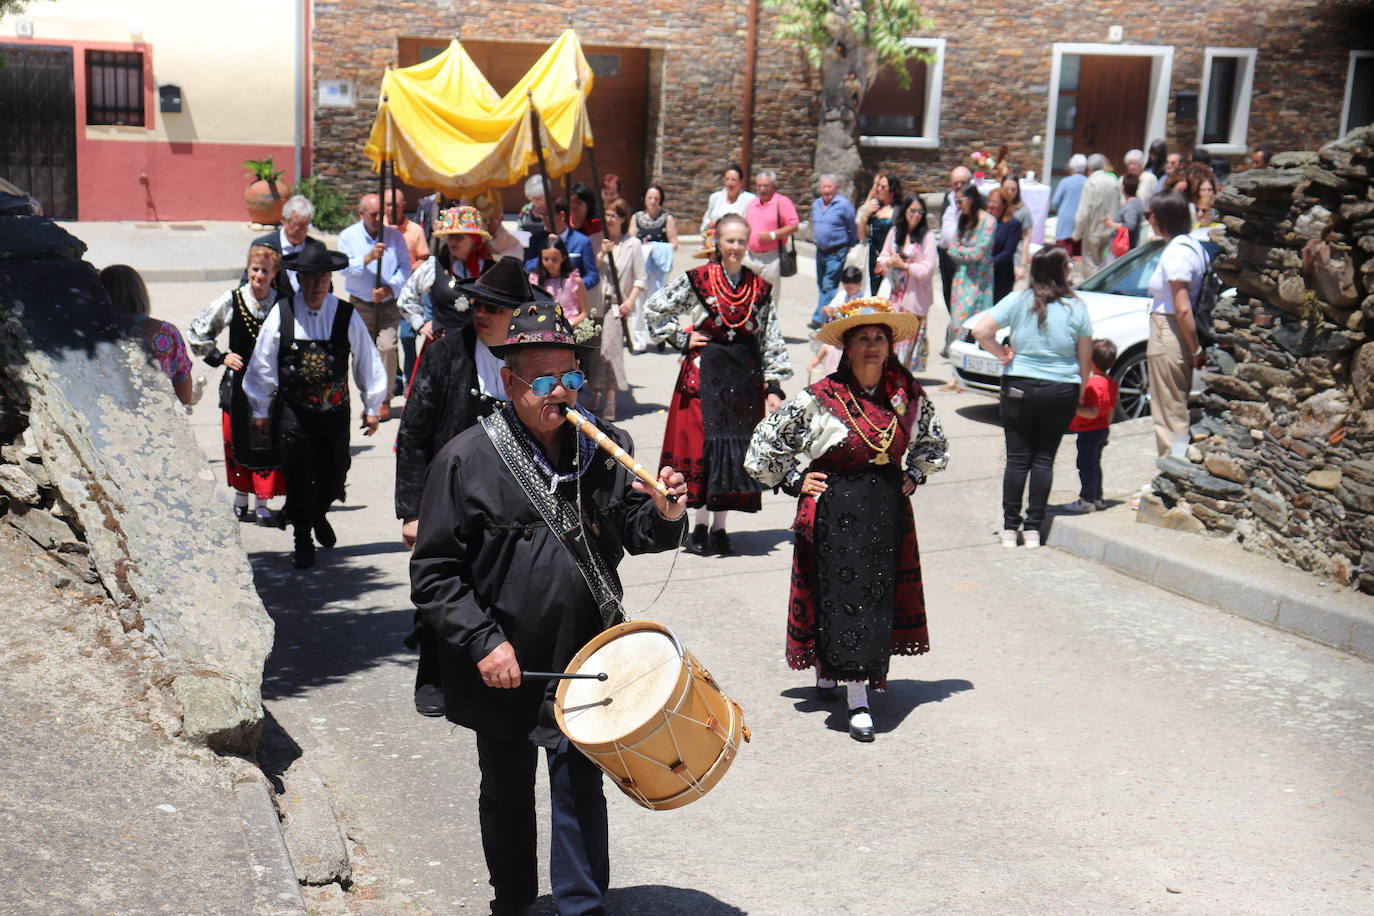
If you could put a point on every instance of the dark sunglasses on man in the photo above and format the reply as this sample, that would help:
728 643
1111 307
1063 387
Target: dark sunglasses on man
544 385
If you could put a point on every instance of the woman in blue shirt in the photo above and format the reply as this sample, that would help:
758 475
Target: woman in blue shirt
1048 359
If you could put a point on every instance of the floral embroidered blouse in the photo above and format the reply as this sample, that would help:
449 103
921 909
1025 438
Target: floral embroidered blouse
662 311
803 428
207 326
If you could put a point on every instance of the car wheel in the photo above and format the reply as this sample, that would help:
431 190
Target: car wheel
1133 378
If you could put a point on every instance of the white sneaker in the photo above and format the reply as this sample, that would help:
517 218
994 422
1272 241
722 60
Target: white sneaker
1032 538
1080 505
1007 538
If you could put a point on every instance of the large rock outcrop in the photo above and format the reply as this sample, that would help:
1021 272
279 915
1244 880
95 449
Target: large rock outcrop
121 494
1282 456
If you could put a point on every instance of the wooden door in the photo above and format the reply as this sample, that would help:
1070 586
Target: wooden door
1113 105
618 104
38 111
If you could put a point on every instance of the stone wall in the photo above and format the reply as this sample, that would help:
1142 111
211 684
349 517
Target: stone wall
996 76
1283 455
98 466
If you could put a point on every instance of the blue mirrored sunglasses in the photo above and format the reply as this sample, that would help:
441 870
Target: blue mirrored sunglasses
544 385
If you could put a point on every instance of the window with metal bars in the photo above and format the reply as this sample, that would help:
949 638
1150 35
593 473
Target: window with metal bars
114 88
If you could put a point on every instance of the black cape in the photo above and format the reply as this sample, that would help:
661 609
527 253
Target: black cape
440 406
486 569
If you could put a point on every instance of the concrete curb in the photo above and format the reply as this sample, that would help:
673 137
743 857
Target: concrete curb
1224 574
190 274
275 880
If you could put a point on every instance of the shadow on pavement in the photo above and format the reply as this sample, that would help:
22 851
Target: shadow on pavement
981 413
327 628
890 709
759 543
658 900
277 750
627 408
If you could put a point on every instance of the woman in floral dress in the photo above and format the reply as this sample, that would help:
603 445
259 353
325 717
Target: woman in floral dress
866 436
971 291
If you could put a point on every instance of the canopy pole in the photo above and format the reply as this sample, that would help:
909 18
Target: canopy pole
610 256
381 184
539 154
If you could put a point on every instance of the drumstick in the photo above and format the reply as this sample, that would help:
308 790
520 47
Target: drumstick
588 429
566 677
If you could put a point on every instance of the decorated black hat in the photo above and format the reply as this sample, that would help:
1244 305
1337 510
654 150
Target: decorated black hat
540 324
506 284
314 259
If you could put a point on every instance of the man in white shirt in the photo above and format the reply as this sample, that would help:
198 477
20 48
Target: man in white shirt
732 198
302 353
365 243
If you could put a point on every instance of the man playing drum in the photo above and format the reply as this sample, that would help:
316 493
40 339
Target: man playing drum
522 525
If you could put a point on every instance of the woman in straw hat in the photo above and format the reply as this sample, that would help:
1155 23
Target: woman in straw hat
463 231
868 436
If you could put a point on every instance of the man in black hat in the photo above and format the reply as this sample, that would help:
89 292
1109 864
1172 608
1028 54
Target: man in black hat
302 354
506 594
457 382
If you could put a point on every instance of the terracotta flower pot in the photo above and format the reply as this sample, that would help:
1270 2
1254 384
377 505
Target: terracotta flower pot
264 201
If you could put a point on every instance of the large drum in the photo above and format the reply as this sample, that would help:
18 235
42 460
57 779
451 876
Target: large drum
659 725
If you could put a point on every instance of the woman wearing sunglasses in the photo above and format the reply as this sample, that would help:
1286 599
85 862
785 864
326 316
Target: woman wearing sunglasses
733 357
493 579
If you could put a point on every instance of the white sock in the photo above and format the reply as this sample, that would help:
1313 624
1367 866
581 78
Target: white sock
702 515
825 682
717 521
240 500
858 694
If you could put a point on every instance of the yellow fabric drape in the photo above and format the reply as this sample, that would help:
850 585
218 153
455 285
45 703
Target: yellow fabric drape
444 127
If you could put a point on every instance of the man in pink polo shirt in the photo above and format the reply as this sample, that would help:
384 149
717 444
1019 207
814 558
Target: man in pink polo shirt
772 218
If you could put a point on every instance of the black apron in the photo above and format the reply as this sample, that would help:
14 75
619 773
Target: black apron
251 451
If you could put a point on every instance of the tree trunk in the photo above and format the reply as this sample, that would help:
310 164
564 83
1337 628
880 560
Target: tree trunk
847 71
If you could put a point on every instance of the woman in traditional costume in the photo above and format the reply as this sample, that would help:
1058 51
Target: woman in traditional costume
462 257
734 360
867 435
250 471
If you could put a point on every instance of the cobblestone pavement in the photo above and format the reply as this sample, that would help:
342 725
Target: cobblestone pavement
1075 742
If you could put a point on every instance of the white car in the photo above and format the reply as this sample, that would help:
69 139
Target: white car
1119 303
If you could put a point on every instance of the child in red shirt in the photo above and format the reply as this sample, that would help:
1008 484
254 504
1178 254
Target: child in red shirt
1093 421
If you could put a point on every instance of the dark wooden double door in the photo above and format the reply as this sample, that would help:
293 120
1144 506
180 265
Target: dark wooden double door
1113 105
38 120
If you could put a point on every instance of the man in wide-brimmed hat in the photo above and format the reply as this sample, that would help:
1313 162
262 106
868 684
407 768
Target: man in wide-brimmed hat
457 382
302 354
505 593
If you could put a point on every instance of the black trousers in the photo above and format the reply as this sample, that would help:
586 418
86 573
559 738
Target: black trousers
579 856
1090 445
315 459
947 268
1035 415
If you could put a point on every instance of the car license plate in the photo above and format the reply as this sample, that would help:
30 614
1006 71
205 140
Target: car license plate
980 366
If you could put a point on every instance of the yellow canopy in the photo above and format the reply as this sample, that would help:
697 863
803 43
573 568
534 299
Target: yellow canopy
444 127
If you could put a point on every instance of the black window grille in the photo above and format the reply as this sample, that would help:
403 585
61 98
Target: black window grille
114 88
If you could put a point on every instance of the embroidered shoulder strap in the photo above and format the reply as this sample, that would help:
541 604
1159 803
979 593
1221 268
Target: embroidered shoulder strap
557 513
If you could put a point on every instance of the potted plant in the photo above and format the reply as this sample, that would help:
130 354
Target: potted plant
266 195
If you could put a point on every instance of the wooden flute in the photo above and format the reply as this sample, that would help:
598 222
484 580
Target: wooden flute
607 445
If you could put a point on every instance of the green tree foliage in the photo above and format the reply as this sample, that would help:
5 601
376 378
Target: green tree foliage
331 207
821 27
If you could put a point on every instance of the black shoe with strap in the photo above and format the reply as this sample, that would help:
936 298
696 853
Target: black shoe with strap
860 733
324 532
720 543
244 514
303 557
698 542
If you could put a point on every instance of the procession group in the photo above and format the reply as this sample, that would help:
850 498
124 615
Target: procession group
516 521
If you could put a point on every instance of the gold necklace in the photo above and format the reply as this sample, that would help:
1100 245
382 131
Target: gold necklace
885 435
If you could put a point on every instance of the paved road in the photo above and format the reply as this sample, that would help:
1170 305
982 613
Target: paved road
1076 742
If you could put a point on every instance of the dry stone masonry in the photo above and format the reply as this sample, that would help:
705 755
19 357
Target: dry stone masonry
99 468
1283 455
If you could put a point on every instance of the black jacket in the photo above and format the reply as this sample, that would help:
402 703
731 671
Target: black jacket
273 240
486 569
440 406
